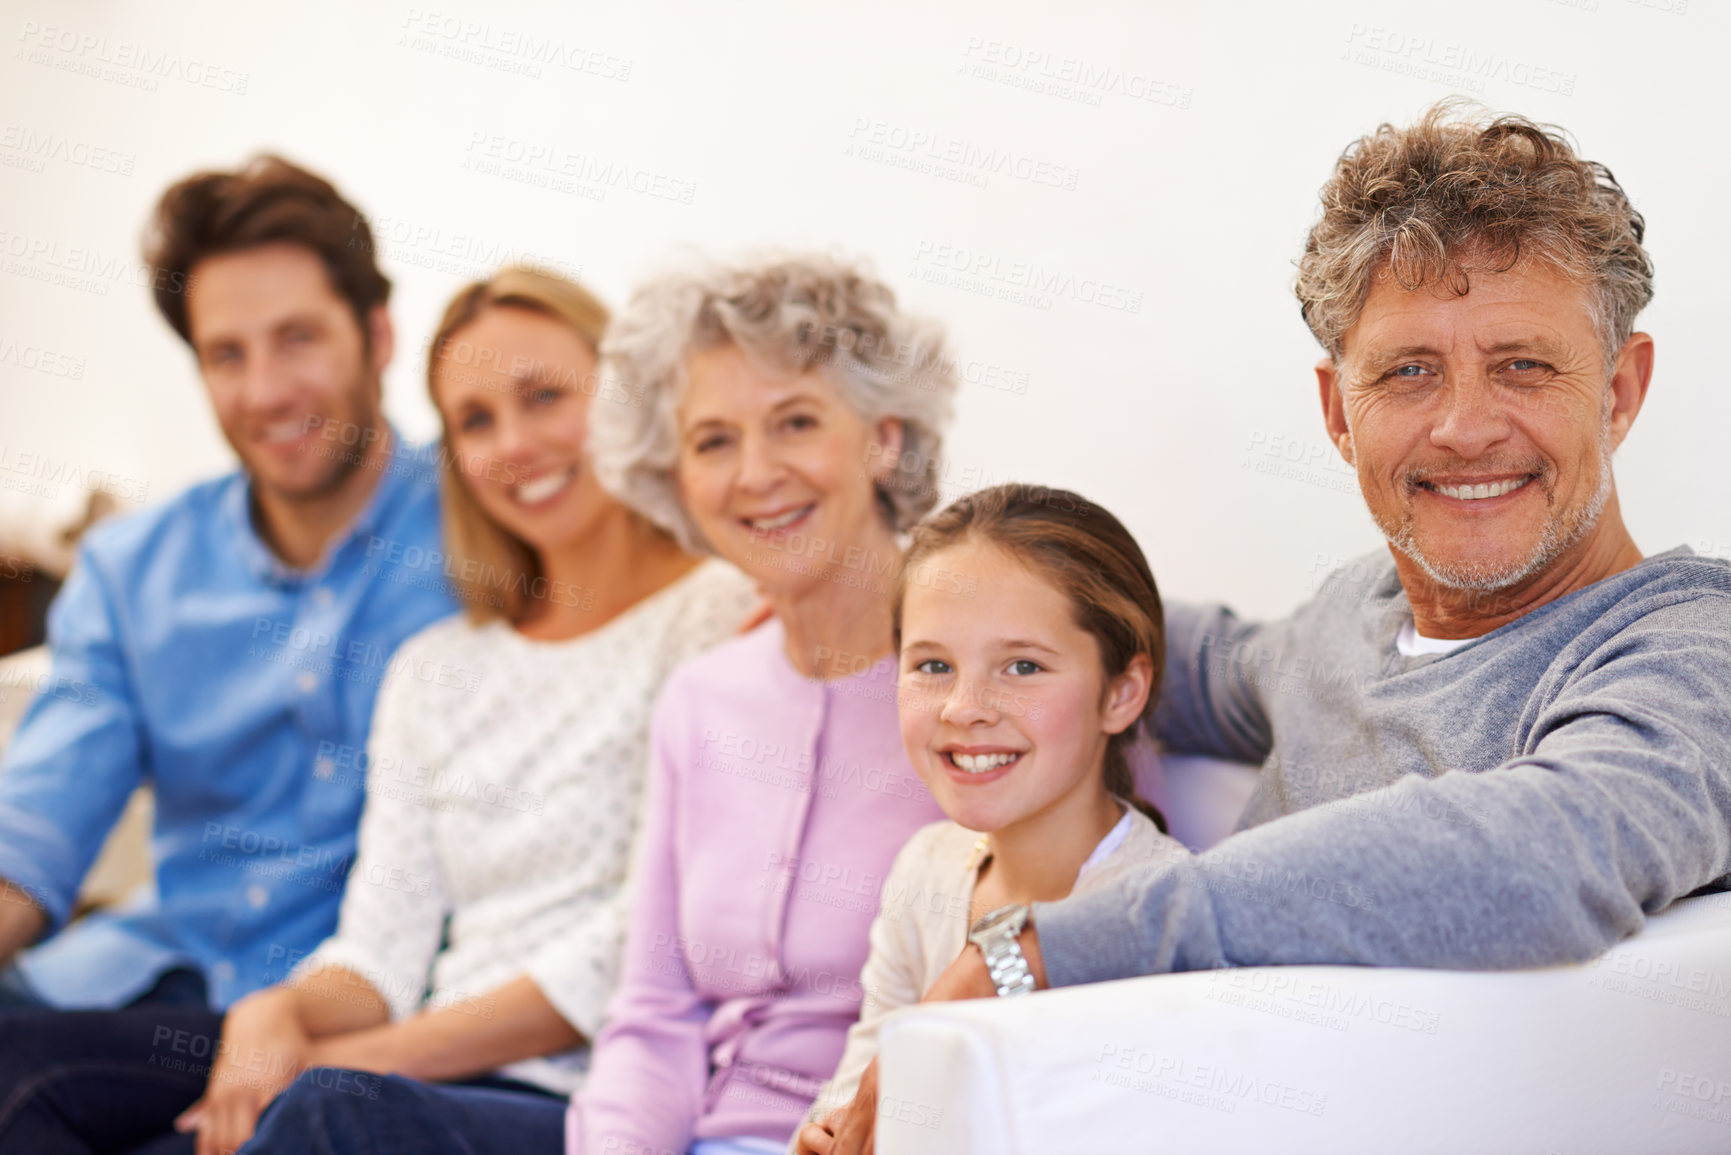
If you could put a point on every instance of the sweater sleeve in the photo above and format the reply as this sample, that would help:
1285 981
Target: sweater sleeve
392 918
578 969
1208 702
650 1063
1619 804
894 975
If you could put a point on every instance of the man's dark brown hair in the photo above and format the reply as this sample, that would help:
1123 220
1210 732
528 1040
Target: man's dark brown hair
267 201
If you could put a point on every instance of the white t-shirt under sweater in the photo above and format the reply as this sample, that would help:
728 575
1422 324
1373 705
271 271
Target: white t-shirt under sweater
1413 644
499 818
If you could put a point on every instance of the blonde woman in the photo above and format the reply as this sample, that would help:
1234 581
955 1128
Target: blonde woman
480 928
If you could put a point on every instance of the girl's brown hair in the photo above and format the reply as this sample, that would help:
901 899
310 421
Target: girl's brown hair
1087 555
497 573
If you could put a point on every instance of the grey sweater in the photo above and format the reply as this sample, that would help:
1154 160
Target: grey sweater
1522 800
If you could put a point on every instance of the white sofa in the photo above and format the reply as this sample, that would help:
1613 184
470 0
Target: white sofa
1630 1054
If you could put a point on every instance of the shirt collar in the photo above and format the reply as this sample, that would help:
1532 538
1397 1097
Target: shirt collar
236 505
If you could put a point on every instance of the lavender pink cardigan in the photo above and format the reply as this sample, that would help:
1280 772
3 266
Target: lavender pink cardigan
775 808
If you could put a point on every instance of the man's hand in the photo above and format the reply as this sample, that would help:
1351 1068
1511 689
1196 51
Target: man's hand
968 978
263 1048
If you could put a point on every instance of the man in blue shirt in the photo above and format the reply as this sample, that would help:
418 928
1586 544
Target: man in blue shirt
227 646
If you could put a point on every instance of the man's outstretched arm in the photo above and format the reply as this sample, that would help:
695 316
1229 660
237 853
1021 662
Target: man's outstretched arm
1620 805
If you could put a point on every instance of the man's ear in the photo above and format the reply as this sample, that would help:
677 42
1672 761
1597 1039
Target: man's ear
381 338
1629 380
1127 694
889 437
1334 407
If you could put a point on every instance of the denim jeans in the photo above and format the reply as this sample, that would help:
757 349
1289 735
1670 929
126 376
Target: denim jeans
328 1111
82 1082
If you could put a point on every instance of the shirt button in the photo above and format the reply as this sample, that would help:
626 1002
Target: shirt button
323 768
257 896
223 971
323 597
308 681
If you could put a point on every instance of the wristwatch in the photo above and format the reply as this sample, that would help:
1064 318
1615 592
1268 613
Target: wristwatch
995 934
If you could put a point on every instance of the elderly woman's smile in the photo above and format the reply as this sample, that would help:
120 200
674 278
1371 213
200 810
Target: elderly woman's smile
774 522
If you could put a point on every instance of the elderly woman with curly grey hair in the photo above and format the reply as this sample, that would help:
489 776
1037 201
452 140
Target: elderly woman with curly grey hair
787 416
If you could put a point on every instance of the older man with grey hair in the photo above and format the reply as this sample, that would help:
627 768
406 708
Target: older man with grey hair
1507 741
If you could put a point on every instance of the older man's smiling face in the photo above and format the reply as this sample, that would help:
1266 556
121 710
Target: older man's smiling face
1481 425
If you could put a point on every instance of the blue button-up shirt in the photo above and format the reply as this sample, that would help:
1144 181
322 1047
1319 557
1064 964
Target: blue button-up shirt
186 655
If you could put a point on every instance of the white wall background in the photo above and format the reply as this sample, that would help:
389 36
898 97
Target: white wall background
1196 201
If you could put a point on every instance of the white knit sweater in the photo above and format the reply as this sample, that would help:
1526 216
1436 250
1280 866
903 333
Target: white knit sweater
500 814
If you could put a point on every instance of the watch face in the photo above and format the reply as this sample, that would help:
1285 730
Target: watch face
992 920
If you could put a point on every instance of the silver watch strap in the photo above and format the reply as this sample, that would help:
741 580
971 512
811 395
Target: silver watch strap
1006 963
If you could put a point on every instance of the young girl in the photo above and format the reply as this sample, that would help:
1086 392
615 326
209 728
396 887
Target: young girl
1031 643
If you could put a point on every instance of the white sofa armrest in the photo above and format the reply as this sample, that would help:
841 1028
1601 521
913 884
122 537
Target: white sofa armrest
1630 1053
